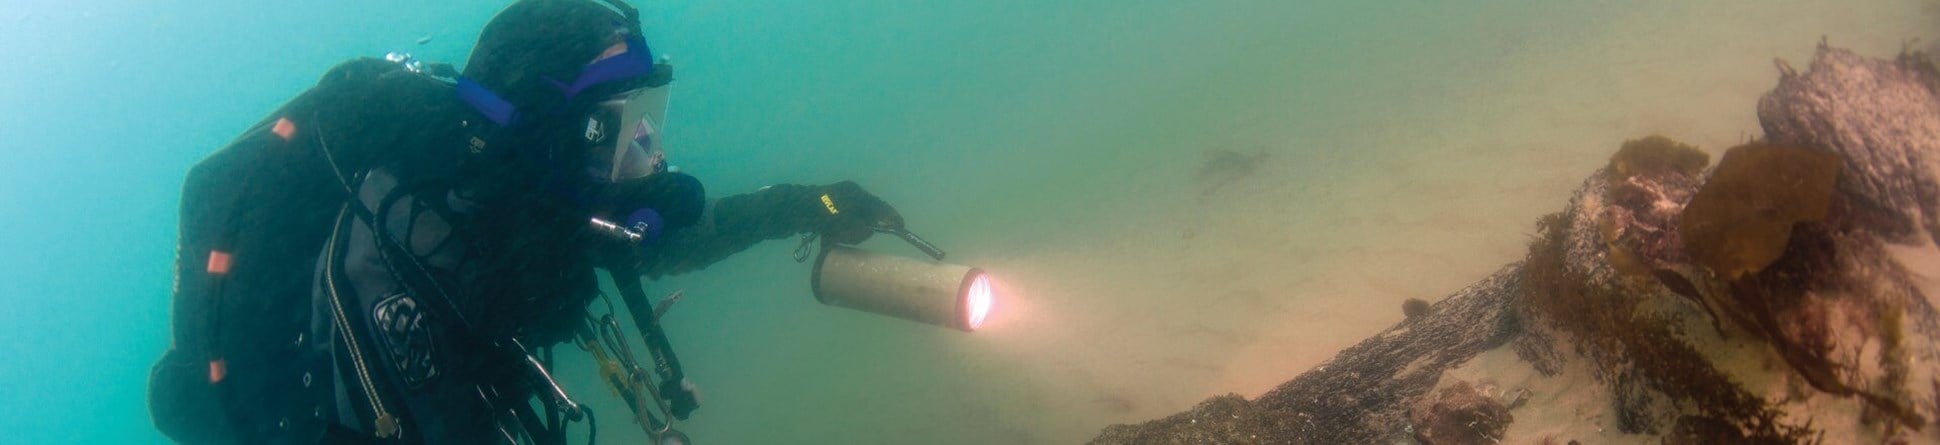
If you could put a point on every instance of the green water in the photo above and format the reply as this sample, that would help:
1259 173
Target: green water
1409 145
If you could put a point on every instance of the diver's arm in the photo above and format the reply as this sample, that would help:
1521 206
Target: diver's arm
730 225
735 223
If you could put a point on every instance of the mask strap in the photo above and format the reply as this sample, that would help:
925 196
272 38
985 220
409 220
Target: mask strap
493 107
636 62
632 15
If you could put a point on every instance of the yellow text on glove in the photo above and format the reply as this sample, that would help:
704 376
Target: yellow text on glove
829 204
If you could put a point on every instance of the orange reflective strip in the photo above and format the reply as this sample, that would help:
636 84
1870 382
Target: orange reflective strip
218 262
284 128
218 369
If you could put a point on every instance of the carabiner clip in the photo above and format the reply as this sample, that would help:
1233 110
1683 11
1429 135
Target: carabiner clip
808 244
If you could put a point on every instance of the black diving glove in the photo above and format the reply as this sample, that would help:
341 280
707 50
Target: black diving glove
842 212
847 214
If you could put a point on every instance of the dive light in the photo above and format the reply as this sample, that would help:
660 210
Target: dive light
942 294
936 293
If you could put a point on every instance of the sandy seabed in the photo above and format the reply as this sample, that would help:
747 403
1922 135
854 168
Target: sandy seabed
1272 273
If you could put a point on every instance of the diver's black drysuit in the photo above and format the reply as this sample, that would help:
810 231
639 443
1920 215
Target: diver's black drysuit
503 263
446 234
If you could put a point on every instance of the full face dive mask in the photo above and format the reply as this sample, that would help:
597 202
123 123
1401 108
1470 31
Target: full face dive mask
624 135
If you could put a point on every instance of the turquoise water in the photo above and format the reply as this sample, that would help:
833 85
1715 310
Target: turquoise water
1052 142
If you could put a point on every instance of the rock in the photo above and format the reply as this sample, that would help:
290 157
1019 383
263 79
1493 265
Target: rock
1881 117
1583 309
1843 305
1363 394
1834 290
1460 415
1227 419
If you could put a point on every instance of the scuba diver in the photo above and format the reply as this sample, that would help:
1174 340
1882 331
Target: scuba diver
389 257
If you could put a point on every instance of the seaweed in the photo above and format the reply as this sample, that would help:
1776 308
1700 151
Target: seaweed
1624 343
1756 225
1776 301
1415 307
1741 220
1920 62
1636 404
1655 155
1647 183
1699 430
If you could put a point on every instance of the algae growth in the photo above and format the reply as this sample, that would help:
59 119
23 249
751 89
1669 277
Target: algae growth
1741 220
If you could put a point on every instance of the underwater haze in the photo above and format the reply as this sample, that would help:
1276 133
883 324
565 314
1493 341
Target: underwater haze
1178 199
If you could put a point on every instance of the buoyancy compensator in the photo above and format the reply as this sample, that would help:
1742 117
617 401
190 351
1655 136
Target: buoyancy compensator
254 215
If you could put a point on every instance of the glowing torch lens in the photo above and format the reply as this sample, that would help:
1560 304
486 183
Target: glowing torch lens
977 299
948 295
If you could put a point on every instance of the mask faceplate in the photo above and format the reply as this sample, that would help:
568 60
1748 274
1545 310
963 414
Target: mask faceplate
625 137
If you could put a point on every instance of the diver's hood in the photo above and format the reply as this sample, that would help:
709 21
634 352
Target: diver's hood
543 68
532 46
